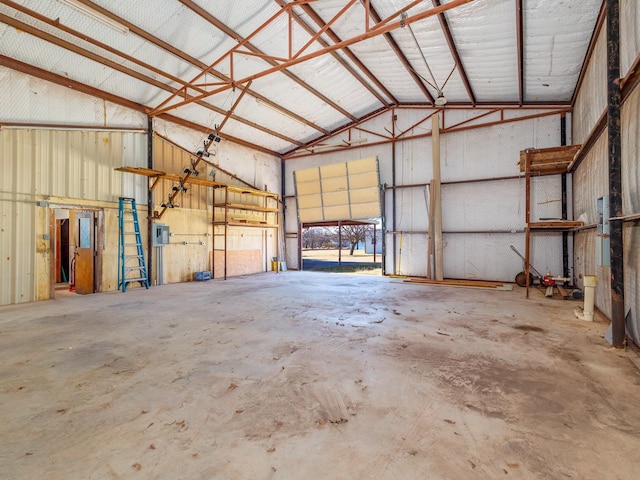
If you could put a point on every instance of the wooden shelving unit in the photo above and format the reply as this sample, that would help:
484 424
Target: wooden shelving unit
241 207
539 162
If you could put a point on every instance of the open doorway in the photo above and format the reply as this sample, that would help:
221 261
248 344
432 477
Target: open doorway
342 247
77 263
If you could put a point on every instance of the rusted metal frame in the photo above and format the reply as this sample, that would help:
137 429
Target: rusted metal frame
217 167
444 24
150 199
614 137
590 141
592 45
225 29
401 56
324 28
183 180
342 129
244 41
94 92
482 115
263 56
295 61
520 49
631 79
293 155
348 52
104 46
370 132
428 117
406 8
205 129
527 220
127 71
234 106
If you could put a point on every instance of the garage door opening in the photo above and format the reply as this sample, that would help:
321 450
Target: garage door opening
338 210
342 247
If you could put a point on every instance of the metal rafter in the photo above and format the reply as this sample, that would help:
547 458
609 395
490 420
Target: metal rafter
127 71
246 44
464 125
48 76
520 47
191 60
401 56
347 51
384 27
444 24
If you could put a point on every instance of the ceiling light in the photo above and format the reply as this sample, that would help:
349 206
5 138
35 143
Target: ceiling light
281 111
441 100
101 17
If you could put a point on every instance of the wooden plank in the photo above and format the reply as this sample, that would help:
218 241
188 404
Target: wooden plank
555 225
450 281
548 160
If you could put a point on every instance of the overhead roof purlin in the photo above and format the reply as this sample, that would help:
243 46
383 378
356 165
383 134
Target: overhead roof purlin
380 29
316 18
214 21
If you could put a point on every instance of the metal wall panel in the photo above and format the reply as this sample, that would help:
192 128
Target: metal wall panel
592 98
631 205
71 165
629 33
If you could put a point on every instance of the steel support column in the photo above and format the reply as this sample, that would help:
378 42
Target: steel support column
565 210
150 215
615 172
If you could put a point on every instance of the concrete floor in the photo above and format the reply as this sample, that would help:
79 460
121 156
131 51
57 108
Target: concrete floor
313 376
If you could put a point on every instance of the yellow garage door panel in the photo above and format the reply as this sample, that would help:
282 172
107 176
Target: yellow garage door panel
309 188
339 191
336 184
309 215
362 180
333 170
339 212
310 201
335 199
364 165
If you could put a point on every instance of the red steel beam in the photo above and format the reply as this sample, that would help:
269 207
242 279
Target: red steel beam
456 128
300 59
246 44
444 24
109 97
127 71
520 48
190 60
592 45
347 51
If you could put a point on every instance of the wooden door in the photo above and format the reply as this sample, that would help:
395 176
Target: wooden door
85 248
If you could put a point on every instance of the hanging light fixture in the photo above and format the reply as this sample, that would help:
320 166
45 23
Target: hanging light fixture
440 100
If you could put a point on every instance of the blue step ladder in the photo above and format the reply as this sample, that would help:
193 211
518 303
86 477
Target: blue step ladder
131 265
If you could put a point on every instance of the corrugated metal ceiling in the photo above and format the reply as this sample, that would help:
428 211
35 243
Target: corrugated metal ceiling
474 54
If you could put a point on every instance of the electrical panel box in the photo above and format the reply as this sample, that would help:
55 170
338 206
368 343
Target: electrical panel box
603 253
160 234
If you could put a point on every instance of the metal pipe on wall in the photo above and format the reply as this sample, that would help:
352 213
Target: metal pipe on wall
615 172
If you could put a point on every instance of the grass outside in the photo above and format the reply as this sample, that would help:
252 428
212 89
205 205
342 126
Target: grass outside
365 264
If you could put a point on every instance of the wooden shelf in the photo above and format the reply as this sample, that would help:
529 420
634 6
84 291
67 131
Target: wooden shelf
244 206
557 225
547 161
235 223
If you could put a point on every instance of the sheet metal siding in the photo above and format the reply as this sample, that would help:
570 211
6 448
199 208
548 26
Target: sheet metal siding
592 98
590 182
71 165
471 207
631 205
629 34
